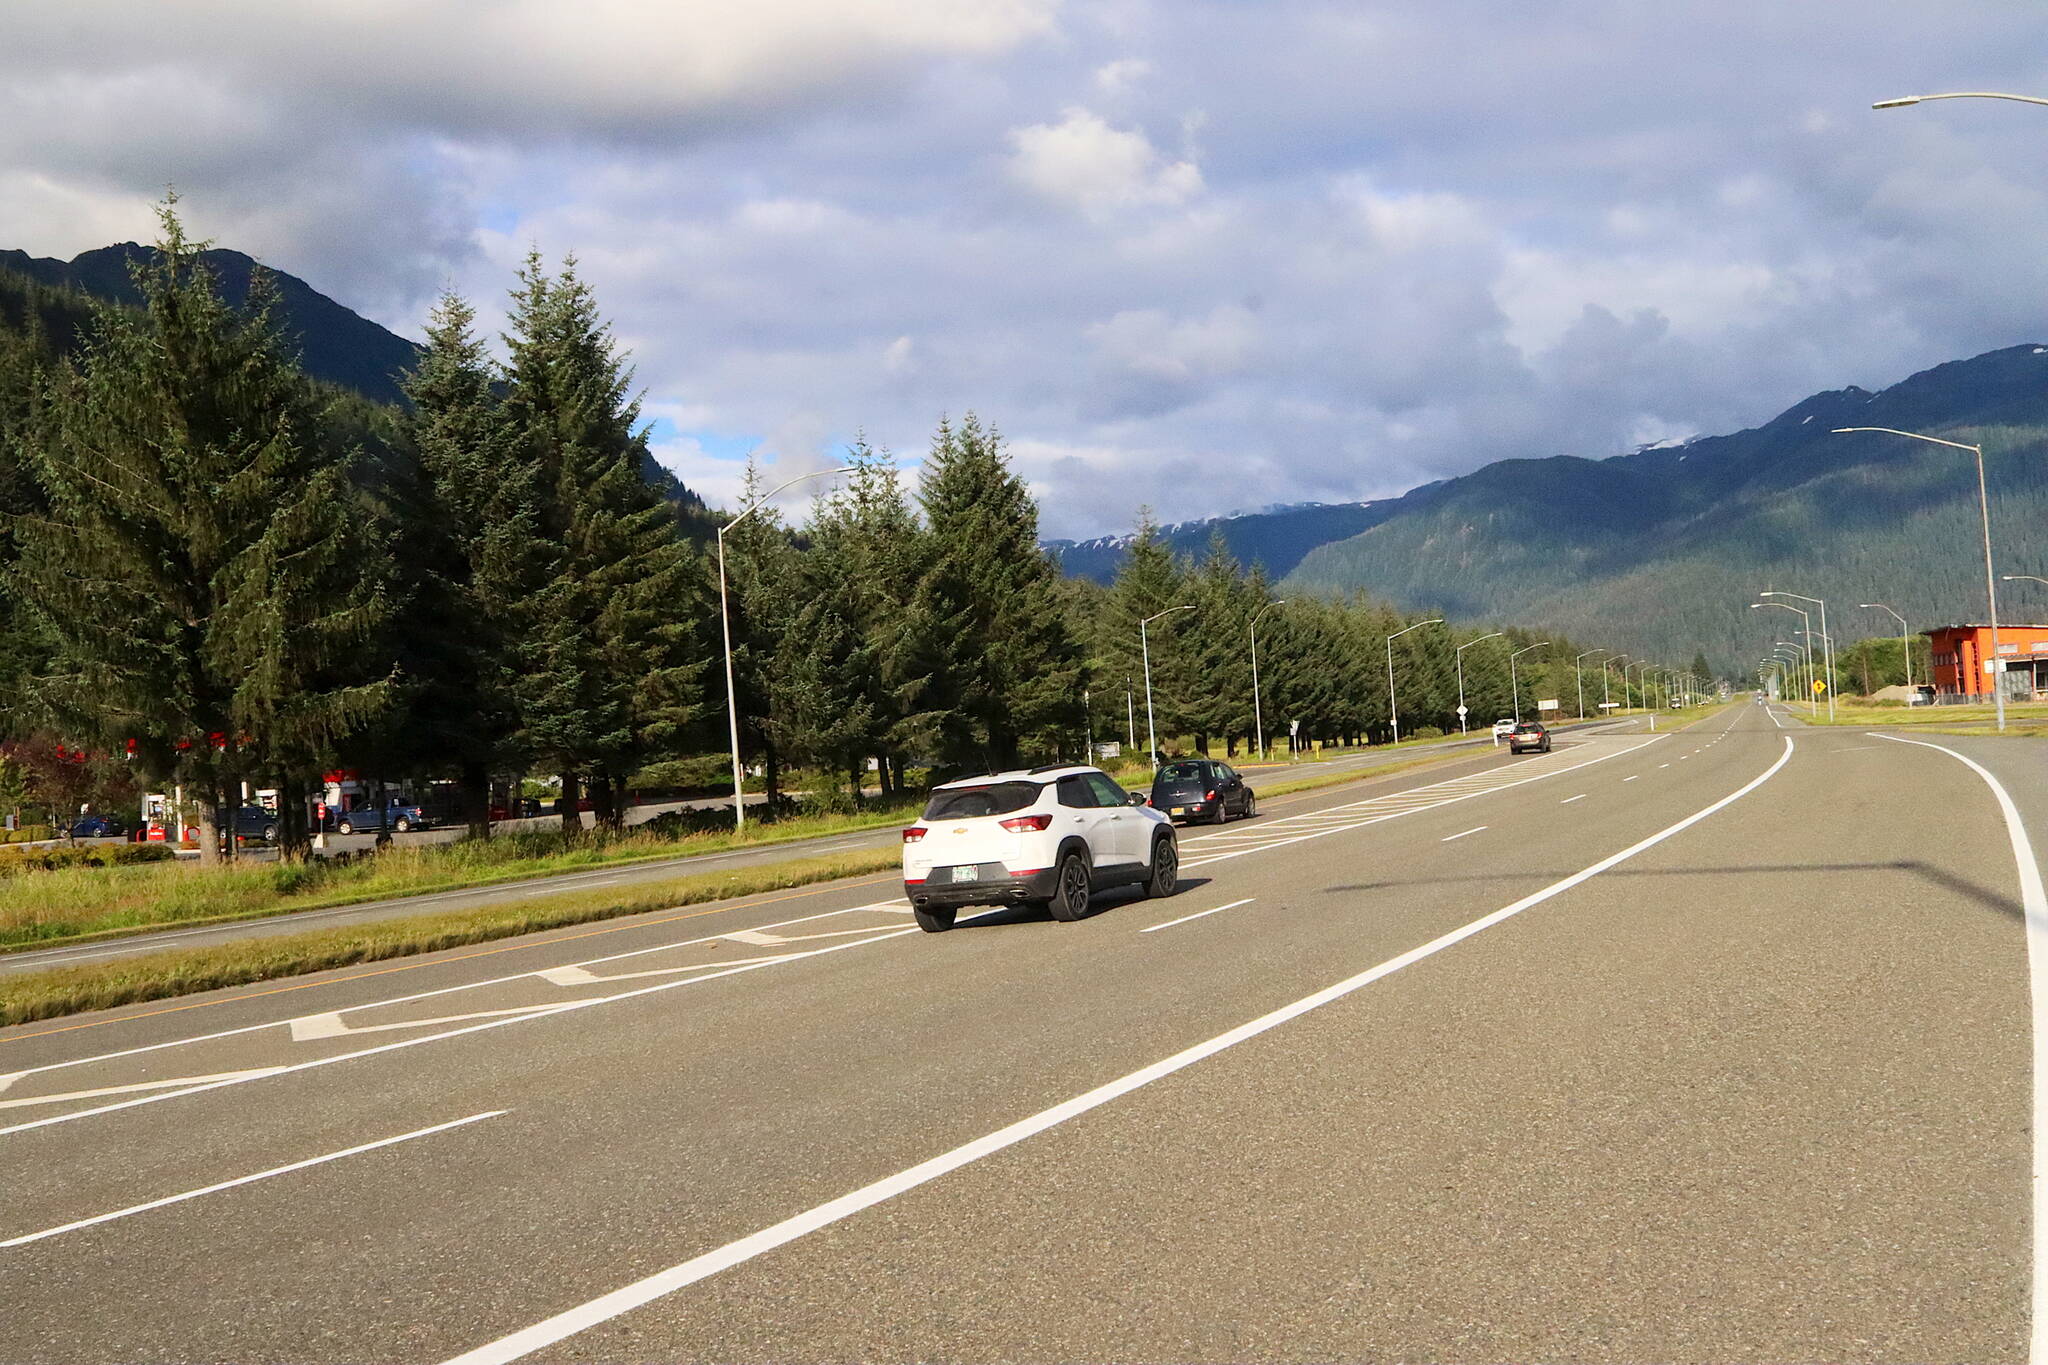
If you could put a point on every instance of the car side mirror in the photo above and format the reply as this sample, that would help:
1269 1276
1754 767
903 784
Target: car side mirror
1140 799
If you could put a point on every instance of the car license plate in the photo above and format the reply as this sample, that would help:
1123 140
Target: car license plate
1180 810
967 874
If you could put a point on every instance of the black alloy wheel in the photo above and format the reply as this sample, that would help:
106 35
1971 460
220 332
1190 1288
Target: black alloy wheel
1165 878
936 920
1070 889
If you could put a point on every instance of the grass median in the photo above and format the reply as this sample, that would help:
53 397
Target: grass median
2022 719
155 976
88 904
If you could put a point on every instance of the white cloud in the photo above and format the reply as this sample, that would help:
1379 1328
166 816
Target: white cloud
1084 163
1119 78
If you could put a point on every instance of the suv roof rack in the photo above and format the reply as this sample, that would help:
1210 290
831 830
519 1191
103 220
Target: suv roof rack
1049 768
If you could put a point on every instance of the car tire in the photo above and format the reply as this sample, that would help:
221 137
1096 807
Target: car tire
1221 816
345 827
404 825
1070 889
1251 804
1165 877
270 834
936 920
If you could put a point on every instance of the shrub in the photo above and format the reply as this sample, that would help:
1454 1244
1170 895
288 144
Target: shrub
1426 732
18 860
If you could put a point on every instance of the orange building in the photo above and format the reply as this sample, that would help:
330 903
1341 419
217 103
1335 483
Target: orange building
1961 653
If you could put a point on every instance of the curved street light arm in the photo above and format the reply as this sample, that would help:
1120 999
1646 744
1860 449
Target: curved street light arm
1903 101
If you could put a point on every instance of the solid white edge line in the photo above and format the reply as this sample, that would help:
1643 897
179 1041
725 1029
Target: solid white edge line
248 1179
1197 915
602 1309
1461 834
2034 903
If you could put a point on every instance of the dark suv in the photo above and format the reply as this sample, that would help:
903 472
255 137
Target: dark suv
398 816
1529 737
1201 789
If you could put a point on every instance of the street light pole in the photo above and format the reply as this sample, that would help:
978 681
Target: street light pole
1580 678
1514 682
1827 643
1983 497
1905 645
1145 646
1904 100
1458 655
1806 620
1394 711
1605 665
1258 713
732 705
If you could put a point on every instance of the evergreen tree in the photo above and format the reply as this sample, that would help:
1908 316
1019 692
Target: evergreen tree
468 535
193 500
1013 674
614 674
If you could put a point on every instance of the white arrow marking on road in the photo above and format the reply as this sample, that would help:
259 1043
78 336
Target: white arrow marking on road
140 1085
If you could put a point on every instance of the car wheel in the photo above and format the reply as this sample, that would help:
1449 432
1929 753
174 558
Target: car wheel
346 827
1221 816
404 825
270 834
1251 804
1165 878
934 921
1070 889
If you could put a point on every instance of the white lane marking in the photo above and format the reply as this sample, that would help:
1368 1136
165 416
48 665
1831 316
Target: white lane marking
247 1179
2034 902
1364 819
487 1025
1461 834
1197 915
1631 779
450 990
313 1028
606 1307
1569 799
217 1077
1663 765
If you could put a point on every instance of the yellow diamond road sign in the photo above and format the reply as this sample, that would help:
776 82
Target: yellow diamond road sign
1819 687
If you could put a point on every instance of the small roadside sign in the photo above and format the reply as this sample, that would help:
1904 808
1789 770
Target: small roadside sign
1461 709
1819 687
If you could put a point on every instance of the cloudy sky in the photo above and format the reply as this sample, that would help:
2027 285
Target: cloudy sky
1208 255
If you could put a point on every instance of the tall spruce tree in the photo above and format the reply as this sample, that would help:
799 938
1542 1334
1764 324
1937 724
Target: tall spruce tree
193 500
614 675
1013 672
469 536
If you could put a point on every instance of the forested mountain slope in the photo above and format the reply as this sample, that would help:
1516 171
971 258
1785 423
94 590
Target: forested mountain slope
1660 551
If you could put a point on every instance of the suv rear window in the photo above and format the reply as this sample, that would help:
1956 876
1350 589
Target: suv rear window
968 803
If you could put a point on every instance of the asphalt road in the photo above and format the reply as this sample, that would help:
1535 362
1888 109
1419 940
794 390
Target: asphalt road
631 874
1711 1046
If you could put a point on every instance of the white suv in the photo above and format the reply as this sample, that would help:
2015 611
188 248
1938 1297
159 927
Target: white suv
1050 837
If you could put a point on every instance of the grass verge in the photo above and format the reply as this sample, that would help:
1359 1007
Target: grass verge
71 990
2025 719
88 904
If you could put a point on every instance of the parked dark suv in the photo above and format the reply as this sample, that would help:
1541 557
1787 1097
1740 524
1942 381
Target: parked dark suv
1193 789
398 815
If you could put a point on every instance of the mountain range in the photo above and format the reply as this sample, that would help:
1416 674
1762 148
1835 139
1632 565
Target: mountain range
1657 553
336 344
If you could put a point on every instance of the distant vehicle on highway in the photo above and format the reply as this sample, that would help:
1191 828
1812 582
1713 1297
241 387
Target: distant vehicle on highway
1529 737
1503 727
523 808
1051 836
97 827
397 816
1202 789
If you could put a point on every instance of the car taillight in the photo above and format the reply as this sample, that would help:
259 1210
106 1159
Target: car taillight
913 834
1025 824
1209 796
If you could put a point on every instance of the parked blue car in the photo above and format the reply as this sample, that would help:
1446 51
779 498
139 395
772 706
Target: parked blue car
250 822
397 816
97 827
